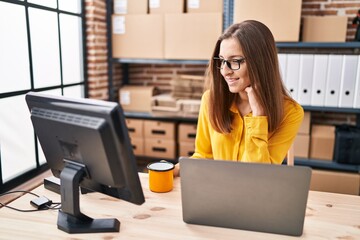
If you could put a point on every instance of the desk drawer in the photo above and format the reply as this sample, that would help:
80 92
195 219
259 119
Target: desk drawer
159 129
135 127
138 146
186 132
186 149
159 148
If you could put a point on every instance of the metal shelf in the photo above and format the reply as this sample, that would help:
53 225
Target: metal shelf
327 165
318 44
164 116
158 61
355 111
332 109
290 47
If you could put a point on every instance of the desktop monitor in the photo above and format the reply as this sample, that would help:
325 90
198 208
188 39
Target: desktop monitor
86 144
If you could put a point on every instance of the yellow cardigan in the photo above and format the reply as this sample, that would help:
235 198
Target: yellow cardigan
249 140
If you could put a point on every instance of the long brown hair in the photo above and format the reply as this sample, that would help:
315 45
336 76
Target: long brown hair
258 46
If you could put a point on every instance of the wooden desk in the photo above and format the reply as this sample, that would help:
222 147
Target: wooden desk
328 216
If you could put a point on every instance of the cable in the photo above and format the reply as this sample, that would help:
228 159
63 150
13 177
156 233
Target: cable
51 207
18 191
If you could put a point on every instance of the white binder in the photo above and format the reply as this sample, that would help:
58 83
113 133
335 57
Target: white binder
282 65
319 80
357 87
348 81
333 80
306 78
292 74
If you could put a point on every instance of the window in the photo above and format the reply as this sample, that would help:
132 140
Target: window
41 49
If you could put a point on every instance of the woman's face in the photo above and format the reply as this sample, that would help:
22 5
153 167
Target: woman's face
237 80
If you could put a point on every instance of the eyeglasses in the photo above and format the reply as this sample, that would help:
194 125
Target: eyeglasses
233 64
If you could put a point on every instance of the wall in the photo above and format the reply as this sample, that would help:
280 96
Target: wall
160 75
96 42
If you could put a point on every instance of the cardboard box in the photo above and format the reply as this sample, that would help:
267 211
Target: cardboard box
322 142
191 36
301 145
138 36
135 127
165 103
130 6
138 146
166 6
324 28
281 16
187 86
186 132
336 182
159 130
204 6
191 106
186 149
305 125
136 98
160 148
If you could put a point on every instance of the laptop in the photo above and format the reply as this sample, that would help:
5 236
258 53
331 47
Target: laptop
247 196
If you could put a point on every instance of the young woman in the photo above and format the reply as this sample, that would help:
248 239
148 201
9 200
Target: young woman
246 114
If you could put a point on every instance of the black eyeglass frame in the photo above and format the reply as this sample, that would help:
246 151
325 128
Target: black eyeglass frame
229 62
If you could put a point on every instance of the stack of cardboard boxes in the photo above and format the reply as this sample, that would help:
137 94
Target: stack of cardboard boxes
322 148
186 139
152 138
282 17
324 28
136 134
318 144
137 98
274 13
322 142
166 29
187 86
160 139
302 140
188 29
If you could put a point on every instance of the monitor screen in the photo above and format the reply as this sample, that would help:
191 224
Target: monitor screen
86 144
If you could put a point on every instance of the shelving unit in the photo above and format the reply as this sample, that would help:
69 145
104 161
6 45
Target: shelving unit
355 111
288 47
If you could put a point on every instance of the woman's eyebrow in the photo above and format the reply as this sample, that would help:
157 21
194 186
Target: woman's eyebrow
232 56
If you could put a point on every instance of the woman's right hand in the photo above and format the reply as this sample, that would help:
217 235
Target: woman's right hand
256 108
177 170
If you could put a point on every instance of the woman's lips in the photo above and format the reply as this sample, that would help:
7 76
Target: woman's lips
231 80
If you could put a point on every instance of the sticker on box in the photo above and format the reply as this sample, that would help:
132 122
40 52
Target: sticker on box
120 6
154 3
193 3
125 98
119 25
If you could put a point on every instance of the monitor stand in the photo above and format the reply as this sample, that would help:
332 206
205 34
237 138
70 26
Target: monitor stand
70 218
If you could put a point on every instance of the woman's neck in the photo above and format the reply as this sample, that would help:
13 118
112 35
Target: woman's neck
243 105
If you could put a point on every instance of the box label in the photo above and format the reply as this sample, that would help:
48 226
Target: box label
154 3
193 3
119 25
120 6
125 98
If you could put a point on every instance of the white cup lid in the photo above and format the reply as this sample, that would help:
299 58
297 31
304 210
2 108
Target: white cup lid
160 166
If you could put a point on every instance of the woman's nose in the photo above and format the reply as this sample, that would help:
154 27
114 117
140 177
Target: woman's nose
226 70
